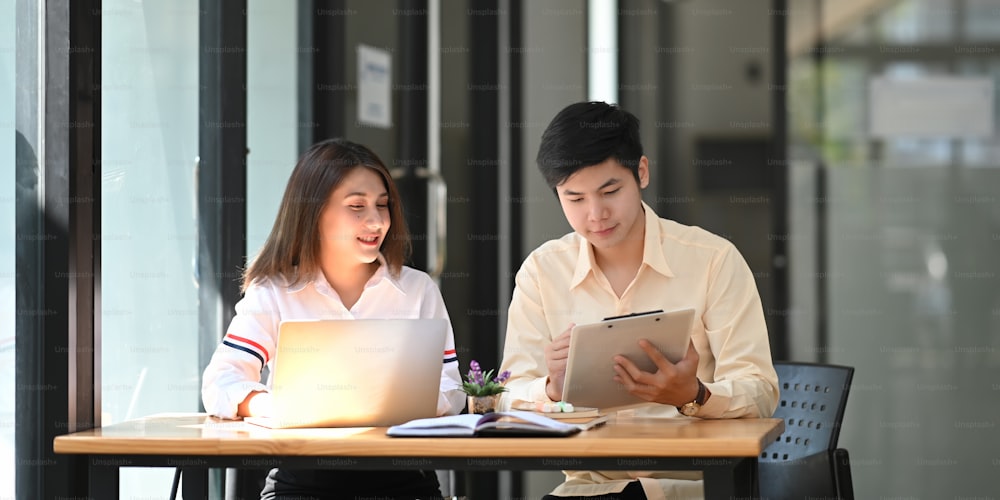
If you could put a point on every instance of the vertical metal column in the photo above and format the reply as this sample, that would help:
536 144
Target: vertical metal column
778 162
222 150
57 254
221 174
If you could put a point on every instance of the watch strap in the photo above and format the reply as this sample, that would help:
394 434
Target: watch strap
699 400
702 393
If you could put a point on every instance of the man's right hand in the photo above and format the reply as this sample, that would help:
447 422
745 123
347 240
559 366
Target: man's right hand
556 356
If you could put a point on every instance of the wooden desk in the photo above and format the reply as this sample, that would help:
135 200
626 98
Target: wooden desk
725 450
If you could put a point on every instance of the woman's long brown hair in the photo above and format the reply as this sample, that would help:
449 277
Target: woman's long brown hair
292 249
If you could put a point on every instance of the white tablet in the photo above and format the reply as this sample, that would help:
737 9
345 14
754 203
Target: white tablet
590 368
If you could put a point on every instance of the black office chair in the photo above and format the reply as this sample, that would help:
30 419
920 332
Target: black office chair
804 462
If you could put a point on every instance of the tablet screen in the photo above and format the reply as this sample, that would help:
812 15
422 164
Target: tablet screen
590 368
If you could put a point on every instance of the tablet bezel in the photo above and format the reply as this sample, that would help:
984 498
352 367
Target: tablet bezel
591 346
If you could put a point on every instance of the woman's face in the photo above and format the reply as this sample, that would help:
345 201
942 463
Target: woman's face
354 222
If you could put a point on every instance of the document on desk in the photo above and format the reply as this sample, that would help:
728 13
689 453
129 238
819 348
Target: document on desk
495 424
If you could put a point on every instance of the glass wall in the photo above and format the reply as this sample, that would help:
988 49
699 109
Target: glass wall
8 238
272 111
908 225
148 234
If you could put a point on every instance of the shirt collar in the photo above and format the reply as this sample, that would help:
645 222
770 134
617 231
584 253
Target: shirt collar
382 273
585 263
652 251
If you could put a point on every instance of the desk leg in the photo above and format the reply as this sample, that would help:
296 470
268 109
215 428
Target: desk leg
734 479
103 480
194 482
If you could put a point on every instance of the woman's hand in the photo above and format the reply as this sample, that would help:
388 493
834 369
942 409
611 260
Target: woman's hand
256 404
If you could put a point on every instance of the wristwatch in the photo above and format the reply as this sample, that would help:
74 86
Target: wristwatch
691 409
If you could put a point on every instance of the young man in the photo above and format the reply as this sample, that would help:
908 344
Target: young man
622 258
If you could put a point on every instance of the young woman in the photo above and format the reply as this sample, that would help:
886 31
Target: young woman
336 251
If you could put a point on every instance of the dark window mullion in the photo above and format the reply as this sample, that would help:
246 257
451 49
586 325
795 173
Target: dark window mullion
222 151
58 214
778 162
328 75
484 77
411 126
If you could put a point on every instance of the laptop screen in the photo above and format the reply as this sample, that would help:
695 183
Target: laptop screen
360 372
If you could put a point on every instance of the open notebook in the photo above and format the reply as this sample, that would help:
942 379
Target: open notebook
499 424
355 373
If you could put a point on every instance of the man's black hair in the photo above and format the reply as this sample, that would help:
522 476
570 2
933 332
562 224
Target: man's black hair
585 134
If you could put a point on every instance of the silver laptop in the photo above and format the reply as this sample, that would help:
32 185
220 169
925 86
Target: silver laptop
355 373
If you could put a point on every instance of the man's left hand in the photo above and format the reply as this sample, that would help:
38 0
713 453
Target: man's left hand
672 383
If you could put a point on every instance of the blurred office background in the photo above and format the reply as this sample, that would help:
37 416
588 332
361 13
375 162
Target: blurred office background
847 147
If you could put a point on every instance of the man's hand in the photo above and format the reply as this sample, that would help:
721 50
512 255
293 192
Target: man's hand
556 356
672 384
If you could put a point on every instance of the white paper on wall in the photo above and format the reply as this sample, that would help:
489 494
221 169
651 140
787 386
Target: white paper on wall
374 86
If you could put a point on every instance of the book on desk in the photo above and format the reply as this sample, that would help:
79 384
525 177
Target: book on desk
495 424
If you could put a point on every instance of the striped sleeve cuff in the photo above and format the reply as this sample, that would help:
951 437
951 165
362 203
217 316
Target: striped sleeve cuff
248 346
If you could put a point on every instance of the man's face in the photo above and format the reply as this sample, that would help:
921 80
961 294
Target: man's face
603 203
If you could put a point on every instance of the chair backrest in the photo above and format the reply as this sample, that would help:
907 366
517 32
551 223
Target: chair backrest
812 402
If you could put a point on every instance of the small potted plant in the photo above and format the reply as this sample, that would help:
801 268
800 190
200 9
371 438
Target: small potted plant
483 391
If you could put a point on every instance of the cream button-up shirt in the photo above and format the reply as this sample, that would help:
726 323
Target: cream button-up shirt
683 267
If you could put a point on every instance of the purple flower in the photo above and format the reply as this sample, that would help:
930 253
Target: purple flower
500 379
479 384
475 372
